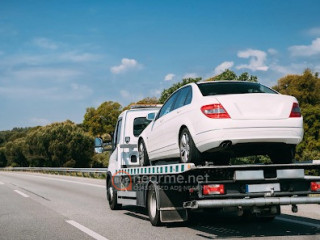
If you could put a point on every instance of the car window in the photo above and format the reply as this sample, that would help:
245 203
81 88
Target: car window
139 124
221 88
168 106
181 99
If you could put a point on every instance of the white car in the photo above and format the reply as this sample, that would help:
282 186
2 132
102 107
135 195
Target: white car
213 121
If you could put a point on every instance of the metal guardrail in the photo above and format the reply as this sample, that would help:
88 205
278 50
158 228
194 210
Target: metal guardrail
55 169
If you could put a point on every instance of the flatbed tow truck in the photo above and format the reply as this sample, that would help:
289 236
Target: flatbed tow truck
170 192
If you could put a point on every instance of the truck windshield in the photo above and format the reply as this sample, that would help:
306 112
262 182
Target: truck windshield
139 124
221 88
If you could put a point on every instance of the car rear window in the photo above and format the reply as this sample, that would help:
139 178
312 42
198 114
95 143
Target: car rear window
221 88
139 124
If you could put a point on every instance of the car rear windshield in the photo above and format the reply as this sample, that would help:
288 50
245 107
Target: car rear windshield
221 88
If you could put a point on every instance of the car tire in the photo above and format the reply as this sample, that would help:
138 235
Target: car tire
153 211
284 155
143 154
188 150
112 196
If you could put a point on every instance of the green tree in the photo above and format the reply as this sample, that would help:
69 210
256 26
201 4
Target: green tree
305 87
103 119
59 144
230 75
3 158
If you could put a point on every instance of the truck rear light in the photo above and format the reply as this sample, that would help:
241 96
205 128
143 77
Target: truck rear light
213 189
215 111
295 111
315 186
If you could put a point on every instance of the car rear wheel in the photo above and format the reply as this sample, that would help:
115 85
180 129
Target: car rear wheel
143 154
188 150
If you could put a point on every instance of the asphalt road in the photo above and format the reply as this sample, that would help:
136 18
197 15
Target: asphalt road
39 206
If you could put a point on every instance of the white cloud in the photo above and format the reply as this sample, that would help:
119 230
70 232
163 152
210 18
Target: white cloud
293 68
306 50
190 75
314 31
169 77
79 57
72 92
38 73
257 60
126 64
45 43
222 67
125 94
272 51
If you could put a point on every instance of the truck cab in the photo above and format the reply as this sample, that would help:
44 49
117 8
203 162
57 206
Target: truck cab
130 124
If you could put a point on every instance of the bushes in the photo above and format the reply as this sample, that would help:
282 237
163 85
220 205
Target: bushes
55 145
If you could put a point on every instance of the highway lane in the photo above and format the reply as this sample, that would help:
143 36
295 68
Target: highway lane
61 207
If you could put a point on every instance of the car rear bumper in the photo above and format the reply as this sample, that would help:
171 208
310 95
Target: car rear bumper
213 138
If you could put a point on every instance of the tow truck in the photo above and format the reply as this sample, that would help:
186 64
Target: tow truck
170 192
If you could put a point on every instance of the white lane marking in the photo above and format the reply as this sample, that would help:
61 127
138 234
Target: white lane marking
21 193
86 230
298 222
1 183
69 181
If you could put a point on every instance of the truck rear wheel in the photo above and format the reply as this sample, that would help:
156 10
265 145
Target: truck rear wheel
188 150
154 213
112 196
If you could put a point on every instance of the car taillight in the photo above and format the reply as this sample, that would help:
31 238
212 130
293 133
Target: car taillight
315 186
295 111
214 111
213 189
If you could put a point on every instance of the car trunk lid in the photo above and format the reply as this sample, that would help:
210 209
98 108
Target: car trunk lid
257 105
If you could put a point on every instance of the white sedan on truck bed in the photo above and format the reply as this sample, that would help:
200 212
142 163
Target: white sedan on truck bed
213 121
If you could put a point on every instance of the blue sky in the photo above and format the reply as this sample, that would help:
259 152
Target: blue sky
59 57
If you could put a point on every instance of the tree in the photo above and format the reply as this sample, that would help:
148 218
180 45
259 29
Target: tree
305 87
103 119
59 144
230 75
167 92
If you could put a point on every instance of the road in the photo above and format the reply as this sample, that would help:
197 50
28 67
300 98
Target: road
40 206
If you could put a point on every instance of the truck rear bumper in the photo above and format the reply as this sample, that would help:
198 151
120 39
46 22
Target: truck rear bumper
257 202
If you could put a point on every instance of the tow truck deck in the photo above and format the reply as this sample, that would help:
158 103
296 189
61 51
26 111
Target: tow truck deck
182 187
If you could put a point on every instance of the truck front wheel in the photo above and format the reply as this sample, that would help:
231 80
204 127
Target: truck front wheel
153 211
112 196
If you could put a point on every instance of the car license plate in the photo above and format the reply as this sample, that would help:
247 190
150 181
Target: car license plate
254 188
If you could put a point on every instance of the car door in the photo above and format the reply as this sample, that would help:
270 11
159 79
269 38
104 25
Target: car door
180 110
159 139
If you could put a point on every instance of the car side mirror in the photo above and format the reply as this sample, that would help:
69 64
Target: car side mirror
151 116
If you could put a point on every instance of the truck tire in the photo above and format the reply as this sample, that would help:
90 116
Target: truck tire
112 196
283 155
143 154
188 150
154 213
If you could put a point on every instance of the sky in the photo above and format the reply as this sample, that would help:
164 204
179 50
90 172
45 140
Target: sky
59 57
